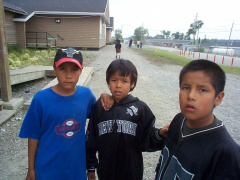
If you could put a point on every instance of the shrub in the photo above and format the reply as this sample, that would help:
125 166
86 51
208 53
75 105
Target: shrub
110 43
201 49
14 48
25 57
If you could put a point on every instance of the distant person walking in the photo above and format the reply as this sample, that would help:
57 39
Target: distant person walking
130 42
118 48
138 44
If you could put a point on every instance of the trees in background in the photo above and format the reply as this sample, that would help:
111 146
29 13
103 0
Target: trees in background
188 34
166 34
118 34
194 28
178 35
140 33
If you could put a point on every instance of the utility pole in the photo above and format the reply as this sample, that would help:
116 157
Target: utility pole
197 34
229 38
121 34
6 91
194 28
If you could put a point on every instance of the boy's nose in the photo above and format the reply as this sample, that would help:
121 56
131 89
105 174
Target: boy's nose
192 95
68 74
118 84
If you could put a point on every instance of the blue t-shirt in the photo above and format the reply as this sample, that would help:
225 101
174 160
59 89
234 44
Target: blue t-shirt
58 122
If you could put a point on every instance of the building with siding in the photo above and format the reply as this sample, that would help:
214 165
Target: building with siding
110 28
60 23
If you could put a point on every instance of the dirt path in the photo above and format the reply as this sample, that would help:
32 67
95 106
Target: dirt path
157 85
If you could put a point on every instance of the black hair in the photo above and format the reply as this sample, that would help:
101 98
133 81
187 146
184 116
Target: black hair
125 68
217 75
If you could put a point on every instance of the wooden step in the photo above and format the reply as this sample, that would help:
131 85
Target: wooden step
6 114
1 105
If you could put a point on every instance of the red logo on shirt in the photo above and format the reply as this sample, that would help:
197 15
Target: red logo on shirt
69 128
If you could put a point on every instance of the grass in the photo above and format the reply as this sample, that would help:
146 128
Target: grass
19 58
162 56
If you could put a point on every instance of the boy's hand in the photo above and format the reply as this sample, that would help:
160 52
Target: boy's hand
31 175
91 175
163 131
107 101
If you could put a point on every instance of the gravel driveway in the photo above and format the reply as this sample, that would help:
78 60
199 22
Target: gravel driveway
157 85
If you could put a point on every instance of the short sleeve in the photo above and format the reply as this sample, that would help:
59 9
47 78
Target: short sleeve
31 126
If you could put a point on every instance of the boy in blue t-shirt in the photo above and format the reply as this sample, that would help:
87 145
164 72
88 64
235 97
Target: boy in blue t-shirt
198 146
55 123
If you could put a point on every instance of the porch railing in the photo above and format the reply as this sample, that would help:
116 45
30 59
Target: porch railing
40 40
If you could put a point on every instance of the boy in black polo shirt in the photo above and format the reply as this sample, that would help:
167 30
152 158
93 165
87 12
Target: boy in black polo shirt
198 146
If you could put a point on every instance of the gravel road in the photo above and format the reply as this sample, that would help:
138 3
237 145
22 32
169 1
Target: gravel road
157 85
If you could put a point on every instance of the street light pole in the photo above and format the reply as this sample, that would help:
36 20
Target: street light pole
194 32
229 38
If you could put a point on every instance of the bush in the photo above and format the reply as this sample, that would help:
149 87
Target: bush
14 48
201 49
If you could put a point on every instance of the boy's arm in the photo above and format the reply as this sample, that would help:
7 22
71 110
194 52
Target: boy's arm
91 176
32 150
154 138
106 101
163 131
91 139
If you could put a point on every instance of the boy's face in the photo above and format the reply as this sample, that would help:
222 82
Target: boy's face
120 86
67 74
197 99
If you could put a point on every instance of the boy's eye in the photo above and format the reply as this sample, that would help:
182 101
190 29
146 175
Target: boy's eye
203 90
185 88
113 80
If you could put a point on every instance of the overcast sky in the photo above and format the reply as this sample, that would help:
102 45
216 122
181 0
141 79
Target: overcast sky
176 16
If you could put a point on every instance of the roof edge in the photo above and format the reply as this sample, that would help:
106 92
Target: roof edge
14 10
57 13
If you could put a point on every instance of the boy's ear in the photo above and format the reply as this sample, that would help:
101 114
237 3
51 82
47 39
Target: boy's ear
219 98
132 85
54 69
